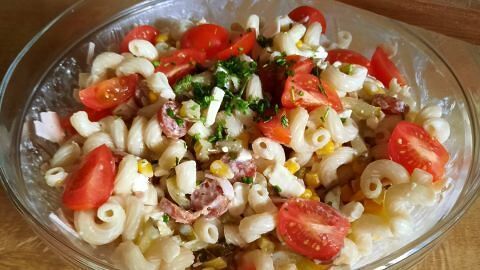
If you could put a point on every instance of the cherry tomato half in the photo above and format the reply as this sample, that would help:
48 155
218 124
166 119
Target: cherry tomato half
312 228
180 63
412 147
91 184
276 128
109 93
208 38
307 91
308 15
384 69
145 32
243 45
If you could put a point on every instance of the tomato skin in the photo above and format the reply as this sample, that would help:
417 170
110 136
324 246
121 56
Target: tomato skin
299 64
383 69
274 129
244 45
314 15
109 93
302 90
412 147
347 56
208 38
322 225
180 63
91 184
145 32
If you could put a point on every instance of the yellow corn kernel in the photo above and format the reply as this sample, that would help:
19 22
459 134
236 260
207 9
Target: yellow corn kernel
315 197
217 263
346 193
299 44
312 180
265 244
145 167
307 194
292 165
221 169
152 97
163 37
372 207
327 149
244 137
306 264
358 196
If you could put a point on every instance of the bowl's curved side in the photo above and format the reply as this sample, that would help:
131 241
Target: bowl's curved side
104 27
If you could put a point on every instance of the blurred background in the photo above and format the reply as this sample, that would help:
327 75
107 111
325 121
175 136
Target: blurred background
20 20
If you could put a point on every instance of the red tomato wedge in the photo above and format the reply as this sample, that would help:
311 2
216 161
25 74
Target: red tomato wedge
208 38
109 93
382 68
95 116
412 147
307 91
347 56
308 15
275 130
243 45
299 64
180 63
91 184
145 32
312 228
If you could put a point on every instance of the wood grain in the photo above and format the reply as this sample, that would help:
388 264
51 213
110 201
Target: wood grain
20 248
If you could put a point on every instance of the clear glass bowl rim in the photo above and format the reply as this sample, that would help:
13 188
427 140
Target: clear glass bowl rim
407 256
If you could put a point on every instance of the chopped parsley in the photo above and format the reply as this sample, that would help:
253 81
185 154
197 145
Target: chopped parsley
280 60
166 218
156 63
172 115
284 121
219 134
324 116
196 137
264 41
321 89
347 69
343 120
277 189
201 92
183 85
247 180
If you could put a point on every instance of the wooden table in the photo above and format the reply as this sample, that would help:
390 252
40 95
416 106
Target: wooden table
20 248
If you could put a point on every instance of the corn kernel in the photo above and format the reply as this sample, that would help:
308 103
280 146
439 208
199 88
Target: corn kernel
346 193
265 244
307 194
161 38
292 165
145 167
221 169
315 198
152 97
306 264
312 180
299 44
372 207
244 137
358 196
217 263
327 149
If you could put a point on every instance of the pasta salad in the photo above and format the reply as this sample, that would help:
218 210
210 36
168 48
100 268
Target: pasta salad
266 146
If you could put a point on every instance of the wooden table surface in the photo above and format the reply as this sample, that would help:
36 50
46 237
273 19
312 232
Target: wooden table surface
20 248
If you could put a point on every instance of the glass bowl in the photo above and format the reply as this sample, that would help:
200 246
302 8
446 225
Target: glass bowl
45 73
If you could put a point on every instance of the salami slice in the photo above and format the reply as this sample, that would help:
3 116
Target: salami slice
209 199
389 105
172 125
179 214
240 168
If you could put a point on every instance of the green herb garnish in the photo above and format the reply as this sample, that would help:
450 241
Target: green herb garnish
172 115
247 180
166 218
220 133
277 189
284 121
347 69
156 63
